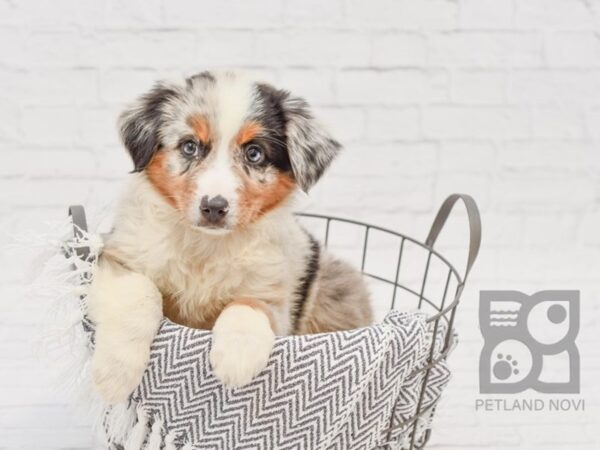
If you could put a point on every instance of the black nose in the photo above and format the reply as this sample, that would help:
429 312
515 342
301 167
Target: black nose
215 209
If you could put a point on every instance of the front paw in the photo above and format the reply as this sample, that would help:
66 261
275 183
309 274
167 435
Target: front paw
126 308
115 377
242 343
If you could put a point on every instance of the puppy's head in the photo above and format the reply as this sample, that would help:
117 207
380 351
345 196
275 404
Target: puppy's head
224 150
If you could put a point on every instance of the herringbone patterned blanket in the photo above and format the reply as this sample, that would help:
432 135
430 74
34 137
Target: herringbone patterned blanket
325 391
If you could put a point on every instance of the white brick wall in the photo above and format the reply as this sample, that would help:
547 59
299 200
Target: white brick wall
497 98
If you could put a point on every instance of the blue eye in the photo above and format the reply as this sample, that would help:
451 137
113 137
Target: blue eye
254 154
190 149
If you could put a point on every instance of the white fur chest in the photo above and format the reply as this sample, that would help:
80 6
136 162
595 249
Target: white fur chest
263 262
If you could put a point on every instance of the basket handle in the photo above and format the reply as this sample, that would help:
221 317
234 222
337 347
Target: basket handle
474 226
77 214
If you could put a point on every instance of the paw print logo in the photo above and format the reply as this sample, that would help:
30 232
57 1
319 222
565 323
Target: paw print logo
510 361
505 367
522 335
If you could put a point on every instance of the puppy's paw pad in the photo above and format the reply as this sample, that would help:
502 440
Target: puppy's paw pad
236 358
115 379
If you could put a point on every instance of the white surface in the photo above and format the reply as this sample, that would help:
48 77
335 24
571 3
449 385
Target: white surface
496 98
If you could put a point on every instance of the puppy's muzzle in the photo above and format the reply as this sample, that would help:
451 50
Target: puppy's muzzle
215 209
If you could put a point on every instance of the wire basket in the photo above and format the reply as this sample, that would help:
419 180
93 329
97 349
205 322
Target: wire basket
423 280
411 274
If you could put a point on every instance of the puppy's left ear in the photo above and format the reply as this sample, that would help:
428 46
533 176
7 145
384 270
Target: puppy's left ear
311 149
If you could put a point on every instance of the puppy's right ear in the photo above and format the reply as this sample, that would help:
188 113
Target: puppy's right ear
140 124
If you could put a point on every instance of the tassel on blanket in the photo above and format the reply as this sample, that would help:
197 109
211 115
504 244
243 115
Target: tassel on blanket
170 442
155 440
119 421
138 434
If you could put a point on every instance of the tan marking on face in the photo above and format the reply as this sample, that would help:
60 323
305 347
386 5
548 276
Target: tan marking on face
177 189
247 132
256 199
201 128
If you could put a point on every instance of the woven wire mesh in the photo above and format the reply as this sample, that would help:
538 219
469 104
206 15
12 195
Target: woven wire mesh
402 273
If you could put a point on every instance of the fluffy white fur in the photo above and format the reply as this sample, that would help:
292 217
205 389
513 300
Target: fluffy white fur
155 241
247 330
263 261
127 309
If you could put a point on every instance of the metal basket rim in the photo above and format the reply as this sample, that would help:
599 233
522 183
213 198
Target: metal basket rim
387 230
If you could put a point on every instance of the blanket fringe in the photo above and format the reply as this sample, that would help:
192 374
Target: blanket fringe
56 280
119 421
155 440
139 432
170 442
53 282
